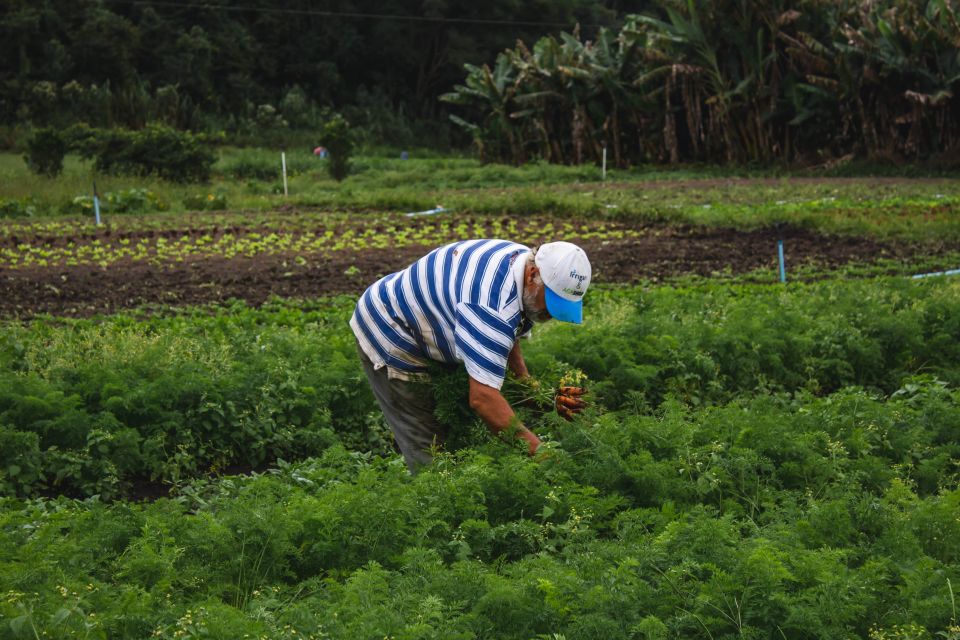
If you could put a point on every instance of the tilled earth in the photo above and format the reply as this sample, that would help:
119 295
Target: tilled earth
660 252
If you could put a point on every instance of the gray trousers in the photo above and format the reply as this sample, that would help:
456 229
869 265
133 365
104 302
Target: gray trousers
408 408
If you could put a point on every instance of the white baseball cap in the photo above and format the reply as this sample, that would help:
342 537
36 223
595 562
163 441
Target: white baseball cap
566 272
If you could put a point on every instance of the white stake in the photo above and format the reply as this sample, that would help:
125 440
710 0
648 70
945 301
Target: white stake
604 163
283 161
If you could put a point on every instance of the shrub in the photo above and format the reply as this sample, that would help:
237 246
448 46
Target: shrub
157 150
20 461
297 108
14 208
267 117
338 138
206 202
45 152
8 137
126 201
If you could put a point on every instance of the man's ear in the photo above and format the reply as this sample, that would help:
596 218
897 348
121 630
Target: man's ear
530 274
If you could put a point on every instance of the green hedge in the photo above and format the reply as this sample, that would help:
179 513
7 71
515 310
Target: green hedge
155 150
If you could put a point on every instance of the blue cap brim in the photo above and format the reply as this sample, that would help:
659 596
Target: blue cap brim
563 309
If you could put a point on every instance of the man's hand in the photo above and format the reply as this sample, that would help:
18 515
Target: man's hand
533 442
569 401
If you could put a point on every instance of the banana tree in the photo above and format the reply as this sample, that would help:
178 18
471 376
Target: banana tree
729 80
491 92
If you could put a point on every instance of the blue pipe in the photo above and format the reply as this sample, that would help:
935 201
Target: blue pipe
783 267
951 272
96 204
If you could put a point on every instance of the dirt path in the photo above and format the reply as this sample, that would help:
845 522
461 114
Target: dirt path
661 252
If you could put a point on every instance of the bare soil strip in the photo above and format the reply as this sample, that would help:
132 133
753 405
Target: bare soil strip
664 252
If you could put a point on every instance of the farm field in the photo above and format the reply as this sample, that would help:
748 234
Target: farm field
188 447
329 238
72 267
755 435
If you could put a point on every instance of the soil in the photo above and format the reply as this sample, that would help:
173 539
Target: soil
662 252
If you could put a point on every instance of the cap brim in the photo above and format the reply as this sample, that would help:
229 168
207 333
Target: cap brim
563 309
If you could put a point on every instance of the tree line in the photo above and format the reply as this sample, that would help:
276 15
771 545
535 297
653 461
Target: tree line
258 64
729 81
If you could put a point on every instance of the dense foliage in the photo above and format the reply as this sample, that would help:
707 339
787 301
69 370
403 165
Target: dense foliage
156 150
45 152
743 480
95 407
759 520
257 67
726 80
339 142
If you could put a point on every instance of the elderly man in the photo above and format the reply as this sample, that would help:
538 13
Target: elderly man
465 302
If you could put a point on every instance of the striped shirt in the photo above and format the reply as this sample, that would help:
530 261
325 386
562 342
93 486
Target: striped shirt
459 303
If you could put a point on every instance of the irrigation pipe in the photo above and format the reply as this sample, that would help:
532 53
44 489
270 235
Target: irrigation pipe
949 272
96 204
783 266
428 212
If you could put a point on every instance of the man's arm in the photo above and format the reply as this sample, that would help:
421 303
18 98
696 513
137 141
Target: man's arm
497 413
515 362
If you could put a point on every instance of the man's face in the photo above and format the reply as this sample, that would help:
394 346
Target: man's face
534 296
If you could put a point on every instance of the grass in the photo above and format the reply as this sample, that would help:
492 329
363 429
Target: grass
249 179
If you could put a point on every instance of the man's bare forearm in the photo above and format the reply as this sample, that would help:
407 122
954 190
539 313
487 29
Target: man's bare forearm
497 413
515 361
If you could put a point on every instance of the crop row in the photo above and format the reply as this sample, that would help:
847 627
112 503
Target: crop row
53 229
757 462
297 221
208 221
93 407
104 249
772 517
907 210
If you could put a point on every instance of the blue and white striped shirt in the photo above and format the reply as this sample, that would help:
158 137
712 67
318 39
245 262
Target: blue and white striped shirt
459 303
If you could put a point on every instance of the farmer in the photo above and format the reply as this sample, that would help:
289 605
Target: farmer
465 302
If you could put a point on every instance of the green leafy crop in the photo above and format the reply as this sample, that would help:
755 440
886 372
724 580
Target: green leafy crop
756 462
